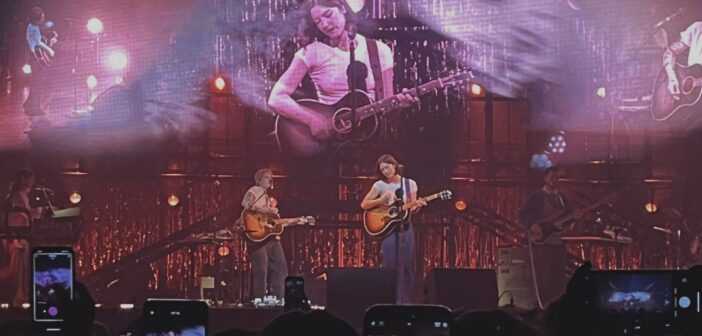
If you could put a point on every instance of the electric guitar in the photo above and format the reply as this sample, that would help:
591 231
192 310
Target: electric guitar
259 227
295 137
664 105
381 221
557 222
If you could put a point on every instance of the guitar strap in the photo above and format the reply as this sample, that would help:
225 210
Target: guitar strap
374 57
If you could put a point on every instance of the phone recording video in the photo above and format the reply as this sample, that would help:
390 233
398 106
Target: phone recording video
175 318
52 282
638 292
407 320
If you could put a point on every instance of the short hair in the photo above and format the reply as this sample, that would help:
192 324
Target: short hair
548 170
35 15
259 174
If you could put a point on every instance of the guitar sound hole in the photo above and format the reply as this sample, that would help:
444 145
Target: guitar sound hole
393 212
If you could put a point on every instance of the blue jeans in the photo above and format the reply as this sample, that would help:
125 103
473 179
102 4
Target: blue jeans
404 265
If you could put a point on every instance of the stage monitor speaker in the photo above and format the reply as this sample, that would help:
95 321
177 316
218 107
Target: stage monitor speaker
350 291
465 289
514 280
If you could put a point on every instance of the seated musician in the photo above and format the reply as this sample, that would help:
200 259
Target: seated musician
18 213
267 257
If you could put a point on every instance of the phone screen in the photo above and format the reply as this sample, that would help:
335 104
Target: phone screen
175 317
406 320
52 283
649 292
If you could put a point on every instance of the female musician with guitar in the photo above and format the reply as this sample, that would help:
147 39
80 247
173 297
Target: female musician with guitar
266 256
326 58
41 52
397 249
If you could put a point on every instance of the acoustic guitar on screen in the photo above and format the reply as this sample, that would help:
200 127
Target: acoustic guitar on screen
295 137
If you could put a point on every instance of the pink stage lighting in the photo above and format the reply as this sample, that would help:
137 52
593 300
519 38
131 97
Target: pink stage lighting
95 26
117 60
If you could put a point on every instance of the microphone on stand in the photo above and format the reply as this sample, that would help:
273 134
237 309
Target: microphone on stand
43 188
668 18
271 186
352 30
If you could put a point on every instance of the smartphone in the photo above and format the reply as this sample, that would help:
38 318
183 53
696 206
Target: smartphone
175 317
407 320
52 283
649 292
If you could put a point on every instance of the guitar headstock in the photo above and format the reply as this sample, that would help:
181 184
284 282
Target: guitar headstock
445 195
457 78
307 220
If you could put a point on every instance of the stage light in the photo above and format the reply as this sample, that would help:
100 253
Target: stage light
223 251
91 81
557 143
460 205
126 306
117 60
27 69
95 26
26 305
4 305
173 200
476 89
601 92
75 197
219 84
651 207
541 161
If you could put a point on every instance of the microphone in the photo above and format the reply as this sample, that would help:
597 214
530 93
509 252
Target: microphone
668 18
351 29
271 186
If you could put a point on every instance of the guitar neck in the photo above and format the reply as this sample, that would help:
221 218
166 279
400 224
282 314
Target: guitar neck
393 103
413 203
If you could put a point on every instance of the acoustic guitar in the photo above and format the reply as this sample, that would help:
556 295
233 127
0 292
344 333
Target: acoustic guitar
258 227
664 106
295 138
381 221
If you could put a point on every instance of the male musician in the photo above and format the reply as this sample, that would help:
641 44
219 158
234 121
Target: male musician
690 39
38 93
266 257
551 258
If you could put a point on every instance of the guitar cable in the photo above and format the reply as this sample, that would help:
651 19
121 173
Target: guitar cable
533 276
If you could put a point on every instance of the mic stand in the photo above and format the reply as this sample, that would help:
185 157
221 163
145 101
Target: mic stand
74 69
351 73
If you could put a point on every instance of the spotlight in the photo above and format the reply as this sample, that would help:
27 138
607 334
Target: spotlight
26 305
126 306
95 26
223 251
219 84
460 205
651 207
601 92
541 161
4 305
91 81
75 197
173 200
557 143
117 60
476 89
27 69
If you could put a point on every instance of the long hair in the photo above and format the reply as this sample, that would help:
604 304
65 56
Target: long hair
387 158
23 178
307 31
